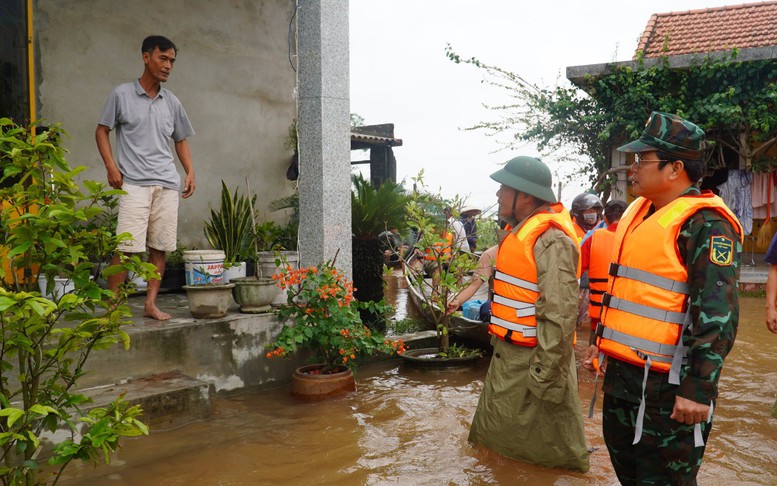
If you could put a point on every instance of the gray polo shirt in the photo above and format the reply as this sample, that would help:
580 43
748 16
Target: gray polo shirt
144 130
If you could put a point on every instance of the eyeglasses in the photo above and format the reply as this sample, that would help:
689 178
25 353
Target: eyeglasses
639 162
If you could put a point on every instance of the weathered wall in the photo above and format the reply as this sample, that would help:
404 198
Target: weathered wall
232 75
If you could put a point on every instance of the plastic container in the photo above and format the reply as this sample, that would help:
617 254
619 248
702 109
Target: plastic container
203 266
471 309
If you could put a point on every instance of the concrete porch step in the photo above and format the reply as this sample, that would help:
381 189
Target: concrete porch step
168 399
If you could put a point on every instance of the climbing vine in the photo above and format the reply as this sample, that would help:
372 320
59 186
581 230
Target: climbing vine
732 100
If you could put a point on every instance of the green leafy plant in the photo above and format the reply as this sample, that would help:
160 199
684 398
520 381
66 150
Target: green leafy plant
324 318
229 228
270 236
373 210
288 238
437 256
51 227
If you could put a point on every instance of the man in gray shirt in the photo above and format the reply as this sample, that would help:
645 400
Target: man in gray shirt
146 118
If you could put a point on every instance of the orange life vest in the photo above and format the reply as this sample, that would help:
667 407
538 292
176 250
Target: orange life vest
515 278
602 242
645 308
440 249
579 231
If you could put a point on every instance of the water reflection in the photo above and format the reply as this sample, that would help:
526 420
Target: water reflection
408 427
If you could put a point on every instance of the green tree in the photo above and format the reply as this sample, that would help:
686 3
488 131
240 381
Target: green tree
437 256
50 226
373 210
732 100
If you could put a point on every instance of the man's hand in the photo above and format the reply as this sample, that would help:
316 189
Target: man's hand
771 319
188 185
453 306
689 412
114 177
591 358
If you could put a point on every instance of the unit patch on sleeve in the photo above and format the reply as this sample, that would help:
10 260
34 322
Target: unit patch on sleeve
721 251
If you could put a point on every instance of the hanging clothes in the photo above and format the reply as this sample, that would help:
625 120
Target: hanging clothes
736 193
760 194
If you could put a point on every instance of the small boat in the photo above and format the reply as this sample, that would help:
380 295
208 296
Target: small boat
459 325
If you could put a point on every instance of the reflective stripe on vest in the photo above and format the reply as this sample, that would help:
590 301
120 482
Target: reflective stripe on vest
518 282
527 331
648 278
522 309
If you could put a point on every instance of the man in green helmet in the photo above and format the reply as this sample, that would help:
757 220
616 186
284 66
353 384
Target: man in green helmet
530 408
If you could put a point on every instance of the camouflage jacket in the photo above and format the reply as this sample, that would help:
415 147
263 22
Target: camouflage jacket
715 314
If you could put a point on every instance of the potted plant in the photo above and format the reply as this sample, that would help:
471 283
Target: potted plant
322 316
256 293
210 300
436 272
175 274
229 230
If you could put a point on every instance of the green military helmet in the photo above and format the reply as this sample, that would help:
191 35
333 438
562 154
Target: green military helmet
529 175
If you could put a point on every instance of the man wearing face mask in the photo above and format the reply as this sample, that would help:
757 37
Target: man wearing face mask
586 213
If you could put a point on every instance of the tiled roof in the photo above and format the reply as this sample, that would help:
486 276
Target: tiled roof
375 140
710 30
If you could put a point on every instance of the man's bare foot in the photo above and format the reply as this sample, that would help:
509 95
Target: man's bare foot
154 313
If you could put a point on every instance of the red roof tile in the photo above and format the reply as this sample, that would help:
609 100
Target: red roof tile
710 30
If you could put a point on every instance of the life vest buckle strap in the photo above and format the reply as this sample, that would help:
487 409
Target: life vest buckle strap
643 310
658 351
527 331
618 270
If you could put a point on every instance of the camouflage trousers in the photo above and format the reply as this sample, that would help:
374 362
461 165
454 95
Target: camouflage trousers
664 455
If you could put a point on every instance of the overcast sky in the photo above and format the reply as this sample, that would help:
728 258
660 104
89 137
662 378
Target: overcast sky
399 72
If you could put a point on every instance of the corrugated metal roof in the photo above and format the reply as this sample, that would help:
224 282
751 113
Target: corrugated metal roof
710 30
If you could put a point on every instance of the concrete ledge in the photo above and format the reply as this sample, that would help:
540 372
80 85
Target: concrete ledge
168 399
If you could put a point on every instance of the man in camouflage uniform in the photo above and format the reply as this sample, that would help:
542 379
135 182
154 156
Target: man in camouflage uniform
674 411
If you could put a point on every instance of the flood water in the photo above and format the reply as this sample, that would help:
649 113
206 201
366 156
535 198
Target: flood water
405 427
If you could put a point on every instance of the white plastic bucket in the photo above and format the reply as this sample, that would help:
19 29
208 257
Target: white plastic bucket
62 286
237 270
203 266
266 262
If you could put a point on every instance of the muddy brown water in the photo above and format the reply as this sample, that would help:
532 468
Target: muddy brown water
405 427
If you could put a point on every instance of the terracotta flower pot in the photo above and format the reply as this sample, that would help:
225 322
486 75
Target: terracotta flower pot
308 383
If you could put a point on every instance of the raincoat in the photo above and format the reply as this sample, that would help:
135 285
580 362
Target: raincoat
530 408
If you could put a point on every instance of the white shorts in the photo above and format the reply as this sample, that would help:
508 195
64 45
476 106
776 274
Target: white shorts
150 215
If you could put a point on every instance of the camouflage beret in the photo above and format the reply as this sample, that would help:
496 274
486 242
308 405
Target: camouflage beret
671 134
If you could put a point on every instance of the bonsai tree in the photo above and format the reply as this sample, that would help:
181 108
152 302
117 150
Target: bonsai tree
438 269
50 226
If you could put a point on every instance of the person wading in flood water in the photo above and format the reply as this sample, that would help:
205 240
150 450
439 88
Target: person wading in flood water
530 408
670 313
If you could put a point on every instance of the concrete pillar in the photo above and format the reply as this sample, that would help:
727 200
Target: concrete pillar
323 126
